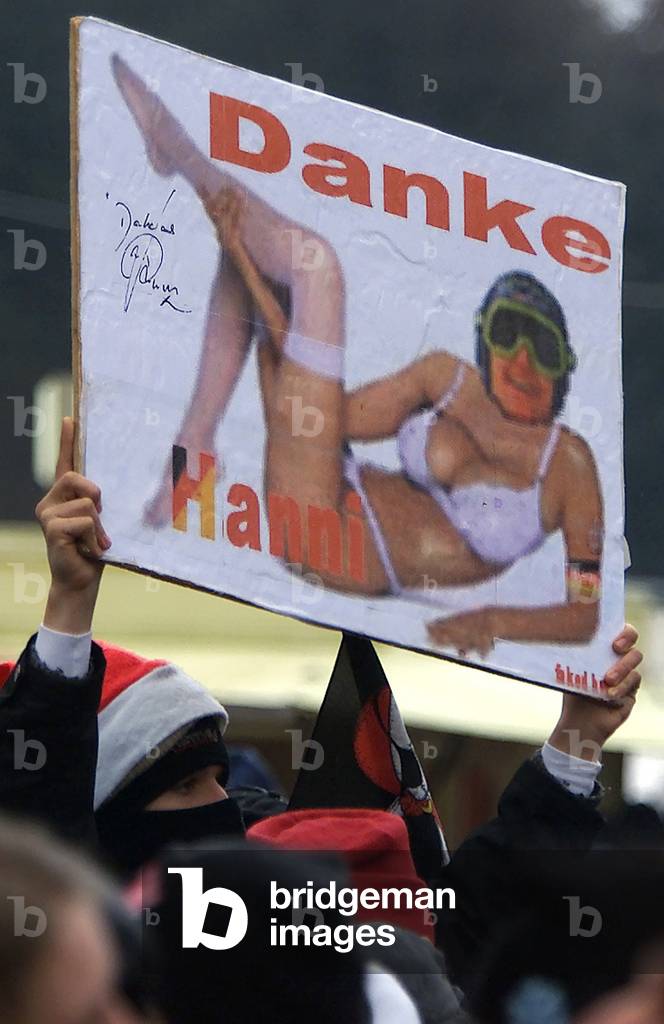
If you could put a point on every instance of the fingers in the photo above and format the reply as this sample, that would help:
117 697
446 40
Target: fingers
82 530
632 684
629 690
70 485
436 631
444 634
223 208
52 518
213 204
483 648
65 461
483 643
617 679
625 639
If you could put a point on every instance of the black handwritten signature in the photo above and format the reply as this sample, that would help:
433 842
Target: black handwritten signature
142 257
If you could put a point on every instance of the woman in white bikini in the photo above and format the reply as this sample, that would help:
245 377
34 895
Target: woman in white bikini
487 470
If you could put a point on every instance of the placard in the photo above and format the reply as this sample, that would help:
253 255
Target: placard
344 366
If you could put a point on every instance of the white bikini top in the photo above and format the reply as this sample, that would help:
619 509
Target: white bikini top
499 524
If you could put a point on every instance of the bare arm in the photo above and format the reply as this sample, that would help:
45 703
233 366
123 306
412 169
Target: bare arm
226 210
377 410
582 523
564 624
262 294
580 516
69 516
478 630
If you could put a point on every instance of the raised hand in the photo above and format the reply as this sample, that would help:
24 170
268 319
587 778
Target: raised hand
467 631
585 723
69 516
225 211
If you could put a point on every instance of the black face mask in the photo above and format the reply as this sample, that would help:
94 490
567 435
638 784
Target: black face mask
131 838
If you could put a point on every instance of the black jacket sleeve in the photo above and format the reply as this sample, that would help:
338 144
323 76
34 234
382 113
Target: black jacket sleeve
48 745
494 871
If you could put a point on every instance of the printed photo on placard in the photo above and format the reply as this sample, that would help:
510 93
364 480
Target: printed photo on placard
347 367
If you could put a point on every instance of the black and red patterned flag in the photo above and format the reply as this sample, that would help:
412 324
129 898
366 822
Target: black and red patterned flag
362 756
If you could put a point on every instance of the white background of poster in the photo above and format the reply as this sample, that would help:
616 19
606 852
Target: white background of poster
410 289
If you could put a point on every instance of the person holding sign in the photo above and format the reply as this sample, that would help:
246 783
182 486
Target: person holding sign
487 471
120 753
72 758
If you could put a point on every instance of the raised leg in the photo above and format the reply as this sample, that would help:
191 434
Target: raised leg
226 340
268 236
301 464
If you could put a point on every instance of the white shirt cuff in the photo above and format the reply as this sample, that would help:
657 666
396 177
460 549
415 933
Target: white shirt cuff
575 774
64 652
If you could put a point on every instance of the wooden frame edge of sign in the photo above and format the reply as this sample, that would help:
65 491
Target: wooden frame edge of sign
75 241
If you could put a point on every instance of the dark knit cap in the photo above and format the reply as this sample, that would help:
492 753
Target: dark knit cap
201 745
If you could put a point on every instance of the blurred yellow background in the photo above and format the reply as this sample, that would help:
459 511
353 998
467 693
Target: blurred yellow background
471 729
257 659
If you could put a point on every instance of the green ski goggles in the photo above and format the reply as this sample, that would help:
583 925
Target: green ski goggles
508 325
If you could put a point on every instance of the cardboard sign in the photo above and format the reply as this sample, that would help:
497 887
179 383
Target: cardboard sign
344 366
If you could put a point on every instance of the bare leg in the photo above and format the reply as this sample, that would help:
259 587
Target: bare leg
305 466
267 234
226 341
317 296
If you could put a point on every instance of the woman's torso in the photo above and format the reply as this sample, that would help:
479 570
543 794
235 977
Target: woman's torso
486 472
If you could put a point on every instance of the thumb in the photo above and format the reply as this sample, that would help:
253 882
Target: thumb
65 461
